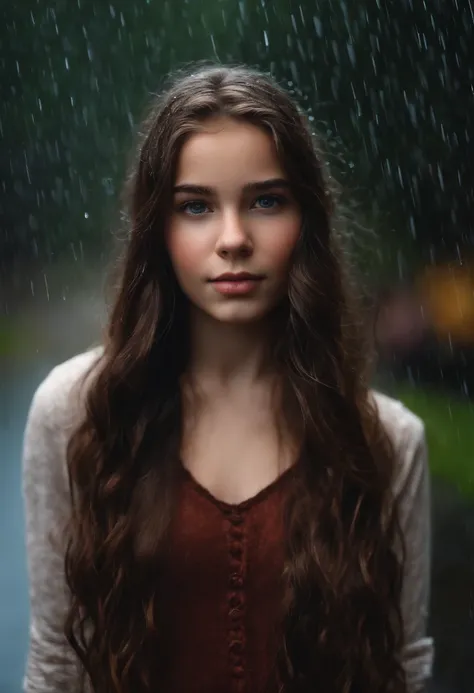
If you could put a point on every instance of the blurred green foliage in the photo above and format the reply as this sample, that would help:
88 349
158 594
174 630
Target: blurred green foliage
449 423
13 341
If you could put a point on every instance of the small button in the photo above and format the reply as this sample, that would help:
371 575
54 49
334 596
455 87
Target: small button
236 518
236 580
236 633
236 646
235 601
236 536
236 550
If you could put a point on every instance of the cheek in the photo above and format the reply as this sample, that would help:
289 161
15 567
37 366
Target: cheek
281 248
186 254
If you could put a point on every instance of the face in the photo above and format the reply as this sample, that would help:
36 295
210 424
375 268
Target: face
234 222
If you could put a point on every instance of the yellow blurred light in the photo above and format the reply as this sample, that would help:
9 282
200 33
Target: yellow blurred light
448 297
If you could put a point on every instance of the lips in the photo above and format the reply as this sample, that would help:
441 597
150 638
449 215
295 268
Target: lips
236 284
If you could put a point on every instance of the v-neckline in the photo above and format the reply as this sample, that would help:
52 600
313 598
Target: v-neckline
226 507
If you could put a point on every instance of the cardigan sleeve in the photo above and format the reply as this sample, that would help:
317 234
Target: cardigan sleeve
51 663
413 490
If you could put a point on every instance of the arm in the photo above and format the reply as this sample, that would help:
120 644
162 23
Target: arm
51 664
415 520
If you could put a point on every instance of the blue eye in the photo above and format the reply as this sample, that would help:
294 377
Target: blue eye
268 201
194 208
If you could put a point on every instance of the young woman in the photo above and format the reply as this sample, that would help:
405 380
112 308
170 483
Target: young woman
216 502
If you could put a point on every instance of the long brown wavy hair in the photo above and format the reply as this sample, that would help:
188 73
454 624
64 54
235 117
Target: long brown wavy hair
343 572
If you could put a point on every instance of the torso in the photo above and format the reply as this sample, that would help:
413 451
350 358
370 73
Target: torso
221 613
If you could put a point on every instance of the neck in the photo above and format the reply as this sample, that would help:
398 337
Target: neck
229 353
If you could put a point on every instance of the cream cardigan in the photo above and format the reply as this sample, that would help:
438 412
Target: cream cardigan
56 406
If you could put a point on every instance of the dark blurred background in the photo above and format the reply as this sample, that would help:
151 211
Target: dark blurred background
389 85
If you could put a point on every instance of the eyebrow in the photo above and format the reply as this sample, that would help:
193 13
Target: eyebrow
255 186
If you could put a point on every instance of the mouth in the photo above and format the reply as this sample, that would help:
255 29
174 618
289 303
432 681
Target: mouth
237 284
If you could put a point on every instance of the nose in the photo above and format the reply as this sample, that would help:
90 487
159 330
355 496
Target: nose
234 239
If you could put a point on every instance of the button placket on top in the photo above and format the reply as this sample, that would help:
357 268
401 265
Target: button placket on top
236 598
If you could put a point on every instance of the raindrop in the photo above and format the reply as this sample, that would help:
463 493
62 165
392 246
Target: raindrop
303 21
440 176
214 45
318 26
351 53
46 286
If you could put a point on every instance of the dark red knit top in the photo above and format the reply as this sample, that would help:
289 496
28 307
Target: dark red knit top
223 591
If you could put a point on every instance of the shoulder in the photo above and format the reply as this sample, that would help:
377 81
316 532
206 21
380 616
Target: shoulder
407 434
57 402
401 424
56 409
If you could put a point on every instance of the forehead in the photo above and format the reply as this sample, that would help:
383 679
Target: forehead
226 151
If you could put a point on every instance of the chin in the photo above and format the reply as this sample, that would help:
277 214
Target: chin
240 314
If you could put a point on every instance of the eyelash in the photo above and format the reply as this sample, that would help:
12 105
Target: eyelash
279 199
